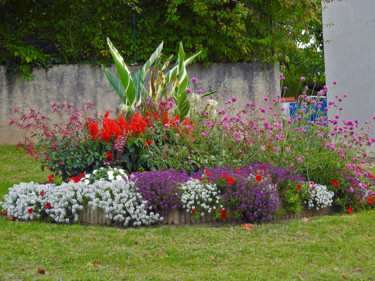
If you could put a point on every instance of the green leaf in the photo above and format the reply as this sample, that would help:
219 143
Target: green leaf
116 84
123 73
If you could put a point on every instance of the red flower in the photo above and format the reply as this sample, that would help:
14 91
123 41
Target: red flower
372 176
359 169
370 201
207 173
30 211
263 167
258 177
361 201
335 183
147 143
238 170
193 211
82 175
201 179
230 180
223 215
108 155
350 210
220 210
75 179
51 177
42 193
48 205
225 176
299 187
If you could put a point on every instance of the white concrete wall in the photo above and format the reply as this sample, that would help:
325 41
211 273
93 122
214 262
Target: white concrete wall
79 84
349 26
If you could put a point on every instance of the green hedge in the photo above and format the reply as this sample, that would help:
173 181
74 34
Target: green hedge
44 32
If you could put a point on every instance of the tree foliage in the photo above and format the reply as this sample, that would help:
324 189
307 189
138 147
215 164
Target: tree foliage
44 32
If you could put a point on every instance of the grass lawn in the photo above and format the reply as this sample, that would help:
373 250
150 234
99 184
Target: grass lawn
326 248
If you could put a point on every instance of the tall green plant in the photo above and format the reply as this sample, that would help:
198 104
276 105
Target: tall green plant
132 90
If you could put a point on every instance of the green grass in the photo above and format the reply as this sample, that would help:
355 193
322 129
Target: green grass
16 167
322 249
326 248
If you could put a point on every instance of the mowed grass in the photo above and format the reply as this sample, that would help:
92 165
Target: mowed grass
325 248
16 167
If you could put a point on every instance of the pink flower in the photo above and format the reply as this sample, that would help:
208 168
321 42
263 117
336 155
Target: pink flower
334 82
234 99
194 79
303 79
199 92
188 90
299 160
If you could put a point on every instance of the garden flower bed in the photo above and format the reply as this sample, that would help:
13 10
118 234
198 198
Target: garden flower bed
170 156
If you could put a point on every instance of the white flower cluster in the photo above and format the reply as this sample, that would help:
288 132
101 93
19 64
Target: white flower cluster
105 173
199 196
319 197
119 199
122 203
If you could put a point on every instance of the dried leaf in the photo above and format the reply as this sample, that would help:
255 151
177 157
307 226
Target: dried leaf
35 247
11 218
136 242
358 251
344 276
359 260
97 265
306 219
161 251
96 261
247 226
128 264
79 267
212 257
41 271
4 212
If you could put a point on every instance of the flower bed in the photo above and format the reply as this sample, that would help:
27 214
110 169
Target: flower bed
172 149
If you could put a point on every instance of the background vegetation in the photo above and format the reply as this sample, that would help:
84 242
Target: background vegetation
43 33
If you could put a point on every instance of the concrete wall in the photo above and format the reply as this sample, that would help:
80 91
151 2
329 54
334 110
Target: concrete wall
79 84
349 26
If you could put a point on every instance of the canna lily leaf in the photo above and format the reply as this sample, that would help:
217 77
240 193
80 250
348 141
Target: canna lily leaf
124 74
116 84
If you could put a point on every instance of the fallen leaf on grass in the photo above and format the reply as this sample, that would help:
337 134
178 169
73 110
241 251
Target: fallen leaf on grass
306 219
359 260
358 251
41 271
128 264
11 218
344 276
97 265
4 212
161 251
247 226
96 261
212 257
35 247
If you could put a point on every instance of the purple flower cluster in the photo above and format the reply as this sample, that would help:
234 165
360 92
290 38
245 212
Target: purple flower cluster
160 189
251 195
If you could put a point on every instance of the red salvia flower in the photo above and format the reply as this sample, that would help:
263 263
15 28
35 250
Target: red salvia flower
147 143
299 187
42 193
30 211
350 210
335 183
75 179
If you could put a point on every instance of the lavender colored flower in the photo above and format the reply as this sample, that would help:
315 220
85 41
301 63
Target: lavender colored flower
160 189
